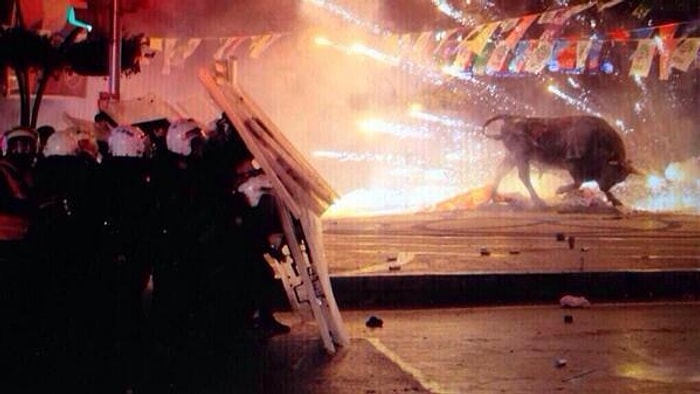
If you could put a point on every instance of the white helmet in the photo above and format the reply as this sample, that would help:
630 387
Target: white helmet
16 132
180 135
61 143
127 141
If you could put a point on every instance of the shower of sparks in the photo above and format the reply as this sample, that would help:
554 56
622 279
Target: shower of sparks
347 16
578 104
446 8
418 113
379 126
414 174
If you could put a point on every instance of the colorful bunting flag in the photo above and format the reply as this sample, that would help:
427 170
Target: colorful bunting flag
684 54
642 58
594 55
521 50
463 58
666 47
228 48
538 57
176 51
509 24
519 30
480 61
497 58
258 44
563 55
478 44
582 50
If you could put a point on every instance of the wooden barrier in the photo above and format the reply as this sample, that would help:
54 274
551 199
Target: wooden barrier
303 196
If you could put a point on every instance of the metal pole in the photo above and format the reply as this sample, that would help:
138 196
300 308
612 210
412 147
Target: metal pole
115 49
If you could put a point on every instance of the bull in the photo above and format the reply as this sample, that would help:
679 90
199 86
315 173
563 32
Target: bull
585 146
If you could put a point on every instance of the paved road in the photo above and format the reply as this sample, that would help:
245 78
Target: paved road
513 241
640 348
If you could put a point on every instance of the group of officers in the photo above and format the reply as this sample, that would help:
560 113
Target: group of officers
89 228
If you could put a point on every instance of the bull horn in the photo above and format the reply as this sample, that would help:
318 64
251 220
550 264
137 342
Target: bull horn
491 120
632 169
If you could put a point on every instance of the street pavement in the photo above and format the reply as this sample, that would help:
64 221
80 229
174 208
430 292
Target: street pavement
606 348
451 345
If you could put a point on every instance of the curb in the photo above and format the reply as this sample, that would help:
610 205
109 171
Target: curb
444 290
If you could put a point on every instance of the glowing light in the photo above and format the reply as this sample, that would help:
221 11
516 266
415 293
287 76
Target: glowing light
322 41
447 9
379 126
655 182
346 15
674 172
580 105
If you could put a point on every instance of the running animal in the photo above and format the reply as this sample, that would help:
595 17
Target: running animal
586 146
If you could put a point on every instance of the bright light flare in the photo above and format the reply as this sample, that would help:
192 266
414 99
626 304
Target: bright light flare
323 41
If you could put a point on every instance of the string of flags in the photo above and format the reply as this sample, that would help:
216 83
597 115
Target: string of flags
503 48
498 48
175 51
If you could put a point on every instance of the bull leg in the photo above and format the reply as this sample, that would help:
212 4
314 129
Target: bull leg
503 169
605 188
524 173
615 202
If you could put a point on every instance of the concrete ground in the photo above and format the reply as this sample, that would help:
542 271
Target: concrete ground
649 347
606 348
609 348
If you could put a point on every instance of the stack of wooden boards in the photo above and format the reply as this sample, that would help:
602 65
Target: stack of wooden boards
303 196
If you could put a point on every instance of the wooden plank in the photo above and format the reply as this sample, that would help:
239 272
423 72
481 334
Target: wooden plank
306 178
303 267
287 176
285 143
249 139
317 255
305 182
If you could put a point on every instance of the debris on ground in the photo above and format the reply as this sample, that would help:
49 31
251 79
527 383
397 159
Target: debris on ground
374 322
560 363
561 237
485 252
569 301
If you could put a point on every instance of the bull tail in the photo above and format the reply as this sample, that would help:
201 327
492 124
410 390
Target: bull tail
503 117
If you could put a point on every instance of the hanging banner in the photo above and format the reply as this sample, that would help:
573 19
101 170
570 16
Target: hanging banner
563 55
582 50
463 58
497 58
509 24
548 17
519 31
521 51
480 61
594 55
538 57
665 47
228 48
448 44
478 44
175 52
642 58
259 44
684 54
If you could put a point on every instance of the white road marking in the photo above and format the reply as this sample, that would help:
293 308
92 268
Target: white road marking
427 383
